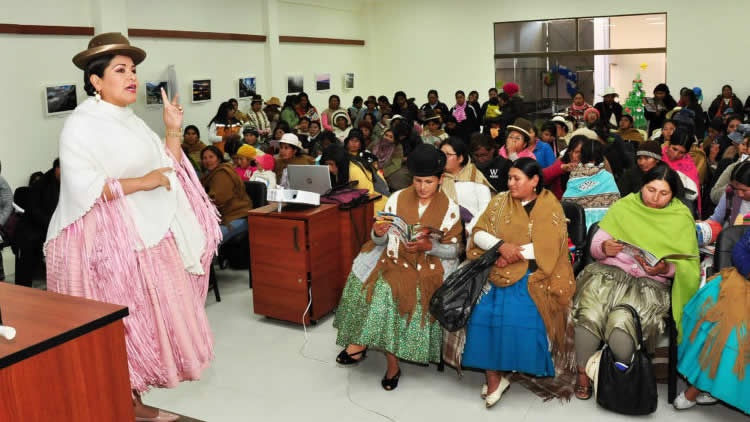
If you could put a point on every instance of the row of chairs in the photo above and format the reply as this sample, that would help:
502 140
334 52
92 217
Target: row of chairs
240 244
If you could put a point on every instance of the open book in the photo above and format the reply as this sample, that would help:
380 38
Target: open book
407 232
647 256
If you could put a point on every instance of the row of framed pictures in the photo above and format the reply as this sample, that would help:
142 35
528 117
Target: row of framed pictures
295 83
62 98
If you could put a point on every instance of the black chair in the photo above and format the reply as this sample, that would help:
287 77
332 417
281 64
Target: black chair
257 192
237 249
576 230
671 326
724 245
587 258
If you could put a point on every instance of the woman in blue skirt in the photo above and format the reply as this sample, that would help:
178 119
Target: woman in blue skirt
714 355
519 323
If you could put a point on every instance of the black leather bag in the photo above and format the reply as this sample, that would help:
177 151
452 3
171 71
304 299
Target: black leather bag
629 392
452 303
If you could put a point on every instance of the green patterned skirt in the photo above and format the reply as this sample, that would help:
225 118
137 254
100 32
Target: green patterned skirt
379 326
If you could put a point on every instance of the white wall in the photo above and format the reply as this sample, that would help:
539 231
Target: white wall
224 62
448 44
331 21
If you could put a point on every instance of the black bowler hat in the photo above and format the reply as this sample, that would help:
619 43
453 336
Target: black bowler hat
426 160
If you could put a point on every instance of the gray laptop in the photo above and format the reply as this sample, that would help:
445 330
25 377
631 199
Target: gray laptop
309 178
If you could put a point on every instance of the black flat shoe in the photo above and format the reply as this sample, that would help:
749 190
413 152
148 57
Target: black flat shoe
390 384
345 359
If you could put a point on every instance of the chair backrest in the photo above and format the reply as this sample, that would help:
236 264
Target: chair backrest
587 258
257 193
576 223
21 196
724 245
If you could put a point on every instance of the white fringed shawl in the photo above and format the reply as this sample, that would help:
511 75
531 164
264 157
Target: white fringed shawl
101 141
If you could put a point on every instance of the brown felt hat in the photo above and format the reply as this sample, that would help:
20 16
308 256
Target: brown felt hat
108 43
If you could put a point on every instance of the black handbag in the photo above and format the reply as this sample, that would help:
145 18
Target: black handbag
452 303
632 391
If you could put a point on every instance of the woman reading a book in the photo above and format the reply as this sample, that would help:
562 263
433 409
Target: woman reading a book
656 221
519 323
385 302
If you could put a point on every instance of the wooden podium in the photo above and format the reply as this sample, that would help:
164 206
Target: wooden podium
303 251
67 361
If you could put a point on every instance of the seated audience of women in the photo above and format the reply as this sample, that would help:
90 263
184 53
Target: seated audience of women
578 108
648 155
657 221
463 182
556 176
353 142
713 354
191 142
494 167
246 162
542 151
675 155
227 191
289 111
734 204
590 185
345 169
305 109
467 121
223 126
342 124
519 324
518 140
432 133
327 118
385 302
264 172
290 152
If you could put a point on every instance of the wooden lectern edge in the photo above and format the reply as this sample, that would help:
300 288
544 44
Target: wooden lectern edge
59 339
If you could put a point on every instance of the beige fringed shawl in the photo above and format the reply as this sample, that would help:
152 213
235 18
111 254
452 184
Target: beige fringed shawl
404 271
731 310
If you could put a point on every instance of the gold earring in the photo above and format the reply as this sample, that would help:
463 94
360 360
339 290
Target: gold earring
98 96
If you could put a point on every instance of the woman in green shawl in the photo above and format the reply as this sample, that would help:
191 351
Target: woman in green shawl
654 220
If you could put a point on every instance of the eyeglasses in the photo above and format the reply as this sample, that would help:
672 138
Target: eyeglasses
515 138
450 153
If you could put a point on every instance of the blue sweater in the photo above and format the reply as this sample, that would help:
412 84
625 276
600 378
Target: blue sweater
741 254
544 154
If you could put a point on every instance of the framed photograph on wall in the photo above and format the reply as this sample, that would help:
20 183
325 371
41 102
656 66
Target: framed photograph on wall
153 93
322 81
349 80
60 99
295 83
201 90
247 87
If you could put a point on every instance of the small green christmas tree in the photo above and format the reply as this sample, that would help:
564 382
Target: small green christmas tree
634 104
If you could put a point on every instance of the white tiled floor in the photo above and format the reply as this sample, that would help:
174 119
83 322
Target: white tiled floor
259 374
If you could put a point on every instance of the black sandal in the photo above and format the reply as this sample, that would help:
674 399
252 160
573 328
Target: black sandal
390 384
345 359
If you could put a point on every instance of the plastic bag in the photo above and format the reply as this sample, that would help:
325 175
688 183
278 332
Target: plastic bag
452 303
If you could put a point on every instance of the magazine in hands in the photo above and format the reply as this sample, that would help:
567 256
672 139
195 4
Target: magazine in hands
407 232
651 259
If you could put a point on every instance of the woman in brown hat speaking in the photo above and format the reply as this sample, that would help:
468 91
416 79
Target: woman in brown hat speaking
133 225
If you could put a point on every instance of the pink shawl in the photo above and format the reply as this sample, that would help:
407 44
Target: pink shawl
459 112
686 166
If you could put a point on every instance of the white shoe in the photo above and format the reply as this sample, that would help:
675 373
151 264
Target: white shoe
706 399
494 397
682 403
484 391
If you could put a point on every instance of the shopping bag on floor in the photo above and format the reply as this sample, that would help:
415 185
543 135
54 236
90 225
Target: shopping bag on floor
452 303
